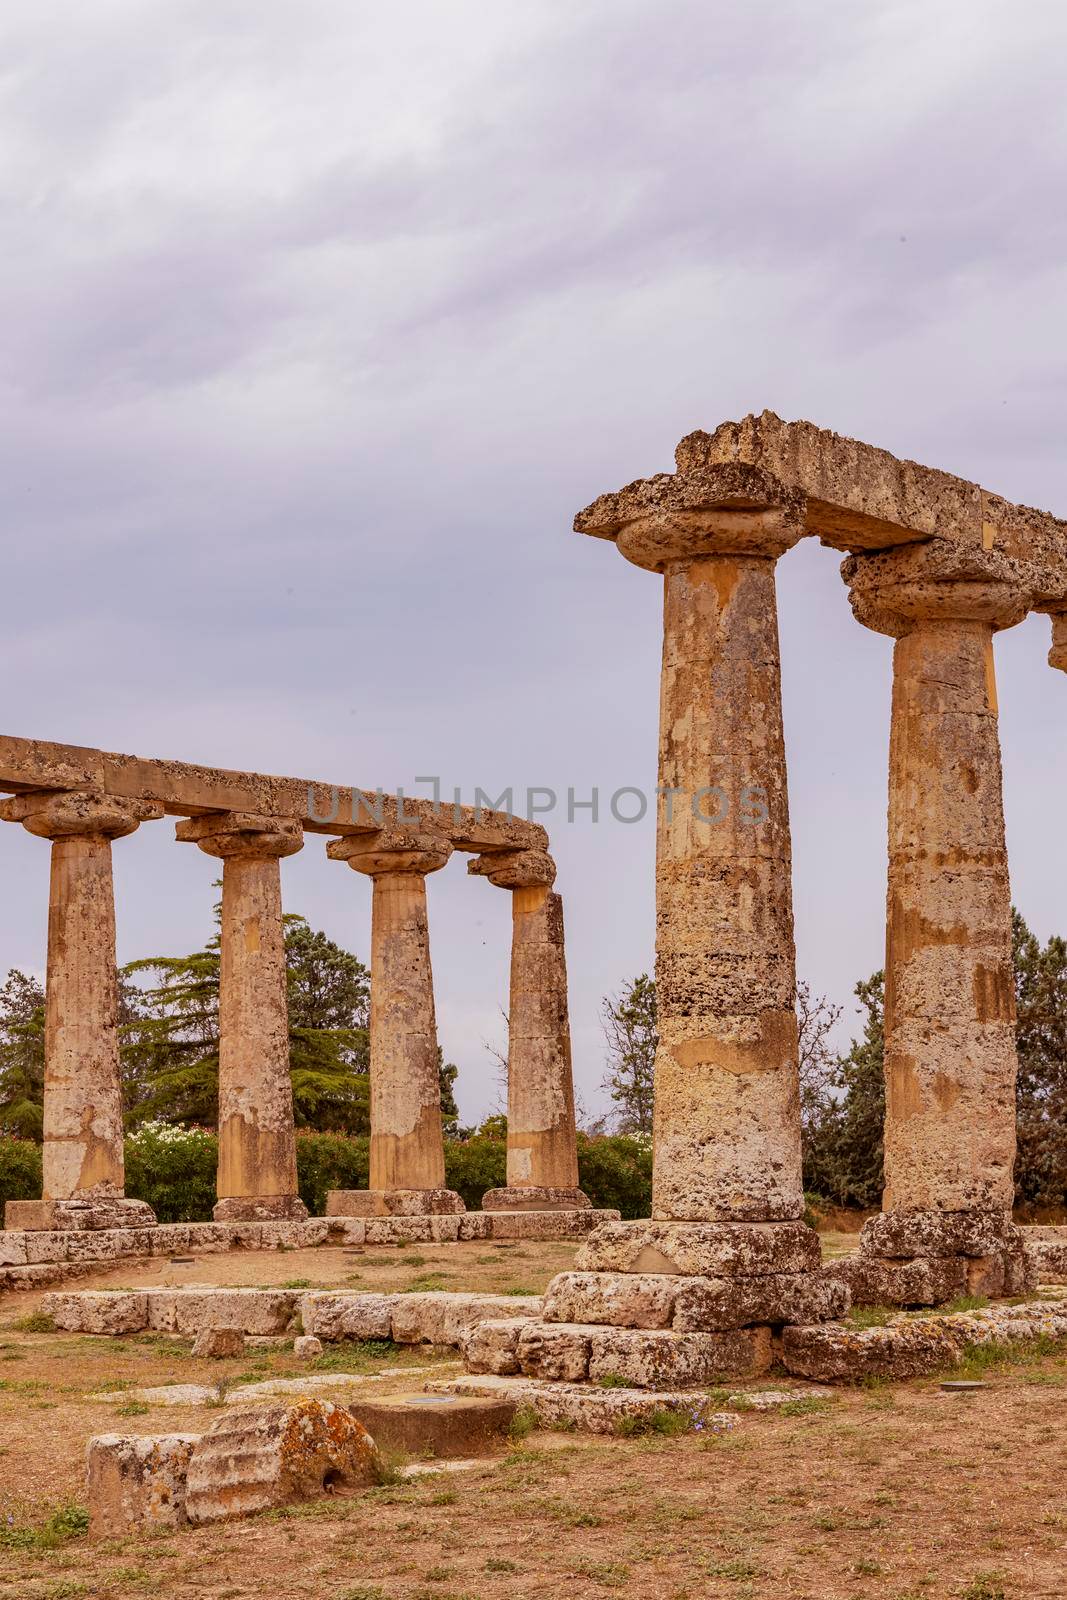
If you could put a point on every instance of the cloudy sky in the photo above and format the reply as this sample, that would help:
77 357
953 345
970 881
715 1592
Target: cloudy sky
321 321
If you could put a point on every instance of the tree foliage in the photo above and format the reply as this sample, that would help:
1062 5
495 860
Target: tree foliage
632 1037
21 1055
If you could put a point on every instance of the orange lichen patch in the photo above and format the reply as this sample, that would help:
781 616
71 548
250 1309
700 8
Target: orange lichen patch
910 930
994 994
903 1090
774 1050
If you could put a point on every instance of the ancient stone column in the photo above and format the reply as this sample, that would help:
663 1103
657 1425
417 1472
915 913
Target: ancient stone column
257 1145
950 1061
542 1160
82 1154
696 1291
407 1159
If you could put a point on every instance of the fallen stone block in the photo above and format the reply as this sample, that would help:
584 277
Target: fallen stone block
493 1346
925 1281
108 1311
335 1314
187 1311
618 1299
214 1344
448 1426
720 1304
535 1197
556 1350
136 1482
442 1318
392 1202
1048 1259
588 1410
701 1249
13 1248
910 1346
544 1225
275 1456
658 1358
307 1347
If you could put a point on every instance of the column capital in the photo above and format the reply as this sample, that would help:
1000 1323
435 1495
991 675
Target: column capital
79 813
515 869
892 591
391 850
1056 610
242 835
731 509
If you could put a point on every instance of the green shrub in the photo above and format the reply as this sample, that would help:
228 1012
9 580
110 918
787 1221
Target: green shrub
474 1165
327 1161
173 1169
20 1170
616 1170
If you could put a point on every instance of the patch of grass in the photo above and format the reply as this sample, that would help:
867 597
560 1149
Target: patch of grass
519 1288
612 1574
132 1408
363 1591
661 1421
353 1355
36 1322
523 1423
296 1283
736 1570
389 1467
500 1564
804 1405
438 1574
611 1380
979 1359
966 1302
872 1316
984 1586
67 1522
381 1261
427 1282
867 1569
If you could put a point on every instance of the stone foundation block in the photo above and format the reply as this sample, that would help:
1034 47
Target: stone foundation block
77 1216
188 1311
114 1244
557 1350
37 1248
392 1202
347 1231
1047 1259
214 1344
307 1347
925 1281
698 1249
181 1238
657 1358
277 1455
260 1208
445 1230
904 1234
137 1482
535 1198
545 1225
441 1318
393 1230
336 1315
852 1354
493 1346
720 1304
476 1225
588 1410
13 1249
619 1299
98 1311
437 1425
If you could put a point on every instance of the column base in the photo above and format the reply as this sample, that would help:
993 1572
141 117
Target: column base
393 1203
696 1249
929 1257
260 1208
533 1197
96 1212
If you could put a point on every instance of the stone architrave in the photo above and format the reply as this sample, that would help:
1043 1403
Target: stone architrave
82 1157
542 1154
407 1160
950 1059
257 1145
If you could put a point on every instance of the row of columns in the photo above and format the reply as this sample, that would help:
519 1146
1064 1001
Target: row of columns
727 1145
83 1175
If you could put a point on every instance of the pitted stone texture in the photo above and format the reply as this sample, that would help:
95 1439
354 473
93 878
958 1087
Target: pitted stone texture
543 1225
275 1456
98 1311
331 1315
698 1249
437 1425
909 1346
441 1318
582 1409
906 1233
137 1482
307 1347
188 1311
533 1197
1047 1256
618 1299
493 1346
393 1203
101 1212
216 1344
260 1208
556 1350
658 1358
719 1304
924 1281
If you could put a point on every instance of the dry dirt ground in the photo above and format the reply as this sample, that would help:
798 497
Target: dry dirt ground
903 1492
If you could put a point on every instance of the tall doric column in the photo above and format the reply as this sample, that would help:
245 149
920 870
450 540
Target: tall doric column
407 1158
697 1290
257 1146
950 1061
82 1155
542 1169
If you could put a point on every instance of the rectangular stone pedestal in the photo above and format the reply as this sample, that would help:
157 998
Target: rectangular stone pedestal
533 1198
393 1203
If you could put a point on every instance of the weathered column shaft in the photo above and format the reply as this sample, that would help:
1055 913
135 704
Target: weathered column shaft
407 1158
82 1148
542 1144
257 1176
82 1155
950 1060
257 1151
727 1116
406 1149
